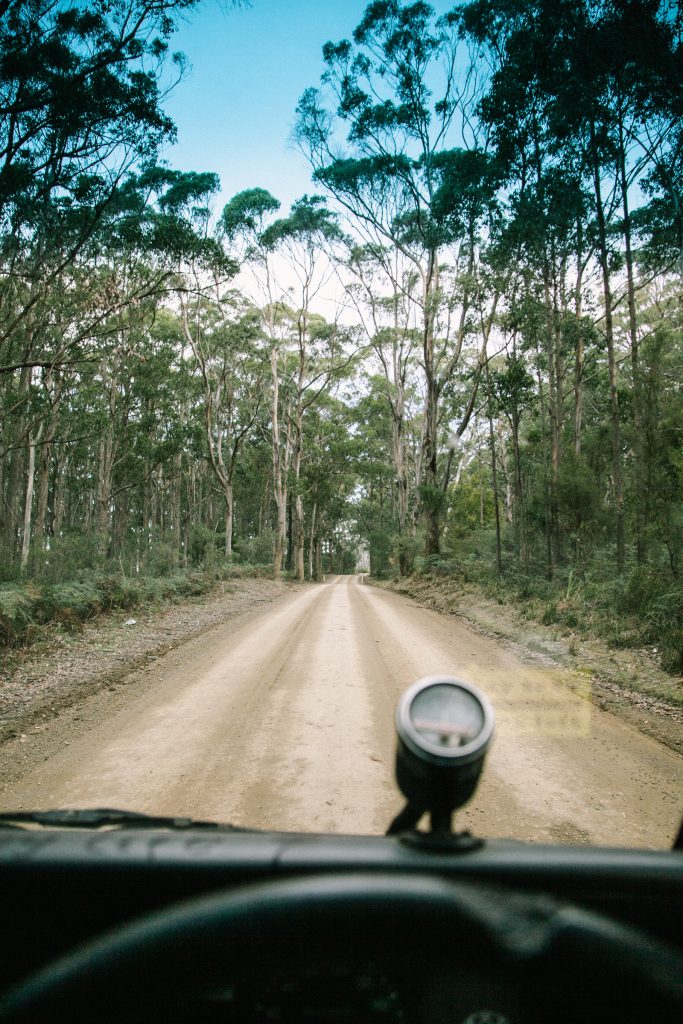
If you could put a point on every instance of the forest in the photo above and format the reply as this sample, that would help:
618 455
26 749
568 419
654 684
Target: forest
459 353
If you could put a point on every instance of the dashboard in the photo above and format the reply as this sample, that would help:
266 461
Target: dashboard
341 990
60 889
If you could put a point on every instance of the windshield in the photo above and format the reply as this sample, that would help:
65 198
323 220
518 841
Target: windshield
341 346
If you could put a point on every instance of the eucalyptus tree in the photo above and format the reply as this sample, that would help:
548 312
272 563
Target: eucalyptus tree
162 227
329 476
81 88
375 504
225 345
597 87
156 224
320 348
80 105
288 259
382 290
219 326
397 93
658 226
544 322
94 316
513 392
244 220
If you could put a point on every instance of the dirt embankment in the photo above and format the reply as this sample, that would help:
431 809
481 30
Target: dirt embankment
58 671
627 683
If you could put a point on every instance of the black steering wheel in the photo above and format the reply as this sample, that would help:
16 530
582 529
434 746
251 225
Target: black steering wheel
560 961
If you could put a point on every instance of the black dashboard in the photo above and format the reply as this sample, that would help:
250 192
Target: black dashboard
60 889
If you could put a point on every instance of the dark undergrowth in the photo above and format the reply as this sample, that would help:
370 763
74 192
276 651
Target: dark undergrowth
642 608
26 607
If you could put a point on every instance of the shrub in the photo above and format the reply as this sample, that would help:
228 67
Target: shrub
24 607
205 547
671 656
403 550
70 602
160 560
550 615
124 591
656 602
67 558
257 550
16 612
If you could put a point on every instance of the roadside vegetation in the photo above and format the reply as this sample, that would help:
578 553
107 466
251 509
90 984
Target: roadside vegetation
600 627
492 397
27 607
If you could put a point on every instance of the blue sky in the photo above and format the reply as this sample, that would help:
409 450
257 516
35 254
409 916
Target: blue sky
235 109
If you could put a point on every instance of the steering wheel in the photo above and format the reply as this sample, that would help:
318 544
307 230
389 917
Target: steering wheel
568 963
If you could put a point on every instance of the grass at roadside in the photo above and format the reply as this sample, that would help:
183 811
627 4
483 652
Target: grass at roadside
590 630
28 607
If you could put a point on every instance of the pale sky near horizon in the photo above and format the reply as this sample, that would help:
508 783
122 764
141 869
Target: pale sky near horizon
249 66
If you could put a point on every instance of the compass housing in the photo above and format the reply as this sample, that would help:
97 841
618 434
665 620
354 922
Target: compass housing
444 727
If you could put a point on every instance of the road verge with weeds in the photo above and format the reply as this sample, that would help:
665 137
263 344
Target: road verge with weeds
621 653
63 643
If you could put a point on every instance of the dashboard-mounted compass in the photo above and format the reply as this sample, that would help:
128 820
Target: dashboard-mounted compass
444 728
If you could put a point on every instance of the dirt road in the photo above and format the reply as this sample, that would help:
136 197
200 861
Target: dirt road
284 719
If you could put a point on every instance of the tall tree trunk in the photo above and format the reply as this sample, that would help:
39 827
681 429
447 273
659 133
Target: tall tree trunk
318 572
431 495
550 567
579 358
147 505
160 492
58 489
603 258
104 483
554 405
519 516
298 534
44 463
279 460
397 444
494 474
280 530
120 521
176 491
28 502
311 542
14 474
207 489
190 515
290 533
147 488
579 353
106 467
640 492
229 515
299 539
396 379
298 531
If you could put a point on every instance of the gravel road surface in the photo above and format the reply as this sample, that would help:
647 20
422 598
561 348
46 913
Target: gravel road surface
284 719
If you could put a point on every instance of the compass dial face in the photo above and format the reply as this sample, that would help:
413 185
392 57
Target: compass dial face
445 718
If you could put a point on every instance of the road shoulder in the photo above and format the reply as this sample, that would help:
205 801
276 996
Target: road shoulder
623 682
78 676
